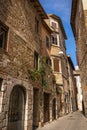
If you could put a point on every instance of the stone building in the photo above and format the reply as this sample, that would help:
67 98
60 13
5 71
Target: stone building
72 86
59 60
46 52
79 26
20 50
49 99
29 94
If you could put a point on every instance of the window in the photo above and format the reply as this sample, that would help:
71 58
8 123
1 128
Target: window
56 65
47 42
3 36
1 80
54 39
36 25
48 61
35 60
54 25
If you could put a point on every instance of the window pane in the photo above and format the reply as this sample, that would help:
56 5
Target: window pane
36 25
54 25
36 60
3 36
47 42
54 39
48 61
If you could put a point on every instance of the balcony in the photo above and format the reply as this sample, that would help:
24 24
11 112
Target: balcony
55 49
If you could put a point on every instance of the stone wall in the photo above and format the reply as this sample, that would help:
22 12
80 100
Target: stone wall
81 43
18 57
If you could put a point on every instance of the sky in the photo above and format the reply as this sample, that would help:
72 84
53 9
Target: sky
62 8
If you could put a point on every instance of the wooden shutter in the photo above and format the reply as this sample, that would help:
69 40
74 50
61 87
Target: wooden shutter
47 41
56 64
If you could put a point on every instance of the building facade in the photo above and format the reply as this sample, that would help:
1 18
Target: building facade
59 61
49 111
20 49
79 26
72 85
30 59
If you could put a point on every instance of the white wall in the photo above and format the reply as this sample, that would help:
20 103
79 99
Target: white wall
79 90
84 4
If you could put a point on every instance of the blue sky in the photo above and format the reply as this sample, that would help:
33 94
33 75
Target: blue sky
62 8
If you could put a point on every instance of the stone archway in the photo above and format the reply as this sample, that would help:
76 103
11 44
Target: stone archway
16 109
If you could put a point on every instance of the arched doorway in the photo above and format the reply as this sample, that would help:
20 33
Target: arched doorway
16 109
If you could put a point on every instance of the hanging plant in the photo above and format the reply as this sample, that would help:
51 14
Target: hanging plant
39 75
34 74
42 68
45 83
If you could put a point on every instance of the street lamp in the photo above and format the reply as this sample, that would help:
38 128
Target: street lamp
61 53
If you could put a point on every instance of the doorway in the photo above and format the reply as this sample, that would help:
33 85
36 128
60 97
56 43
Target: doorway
46 107
35 108
16 109
54 109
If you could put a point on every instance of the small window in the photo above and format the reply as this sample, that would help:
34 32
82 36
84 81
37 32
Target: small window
3 36
1 80
54 25
35 60
54 39
56 65
48 61
47 42
36 25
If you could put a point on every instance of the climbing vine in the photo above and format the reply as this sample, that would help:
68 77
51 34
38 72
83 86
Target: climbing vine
39 75
34 75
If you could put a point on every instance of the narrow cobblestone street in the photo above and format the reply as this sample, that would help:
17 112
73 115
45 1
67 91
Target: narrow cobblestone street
73 121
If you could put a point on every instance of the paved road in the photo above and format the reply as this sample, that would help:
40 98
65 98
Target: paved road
73 121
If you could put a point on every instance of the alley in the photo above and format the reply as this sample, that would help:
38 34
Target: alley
73 121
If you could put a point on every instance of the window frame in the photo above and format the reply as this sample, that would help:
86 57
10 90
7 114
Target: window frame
3 35
54 40
54 25
36 60
36 25
47 42
48 61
